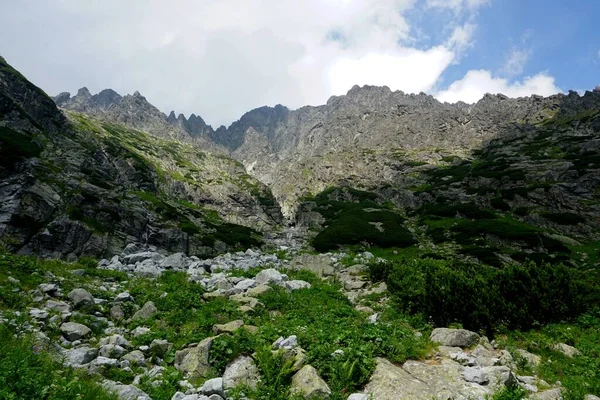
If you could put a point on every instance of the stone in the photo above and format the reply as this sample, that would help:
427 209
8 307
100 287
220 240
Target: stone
81 298
531 359
320 265
73 331
136 357
112 351
475 375
102 362
484 356
125 392
116 313
116 339
213 386
552 394
193 361
131 248
124 297
139 257
296 285
289 343
245 284
176 261
269 276
591 397
358 396
309 384
419 380
229 327
258 290
59 306
140 330
354 284
146 312
499 377
160 347
241 371
567 350
80 356
36 313
48 288
454 337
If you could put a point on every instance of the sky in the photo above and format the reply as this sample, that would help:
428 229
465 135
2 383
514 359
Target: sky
221 58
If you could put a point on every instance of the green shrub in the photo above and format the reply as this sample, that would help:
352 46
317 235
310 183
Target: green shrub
484 298
564 218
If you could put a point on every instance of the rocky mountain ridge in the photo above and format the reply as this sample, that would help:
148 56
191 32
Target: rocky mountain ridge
75 184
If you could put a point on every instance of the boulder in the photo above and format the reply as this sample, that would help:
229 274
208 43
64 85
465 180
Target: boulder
176 261
296 285
229 327
213 386
454 337
81 298
146 312
320 265
118 340
241 371
160 347
245 284
59 306
80 356
258 290
309 384
193 361
73 331
111 351
123 297
531 359
269 276
567 350
552 394
116 313
419 380
136 357
125 392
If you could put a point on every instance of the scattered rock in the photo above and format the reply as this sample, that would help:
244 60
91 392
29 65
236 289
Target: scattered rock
81 298
160 347
117 313
146 312
531 359
269 276
193 361
567 350
124 297
80 356
309 384
241 371
125 392
258 290
213 386
59 306
454 337
73 331
296 285
229 327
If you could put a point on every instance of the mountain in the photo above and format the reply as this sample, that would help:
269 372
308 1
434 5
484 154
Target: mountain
88 182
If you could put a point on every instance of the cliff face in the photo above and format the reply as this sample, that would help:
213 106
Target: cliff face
88 182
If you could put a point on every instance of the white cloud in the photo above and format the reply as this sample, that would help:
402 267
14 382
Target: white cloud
516 61
221 58
462 38
477 83
457 5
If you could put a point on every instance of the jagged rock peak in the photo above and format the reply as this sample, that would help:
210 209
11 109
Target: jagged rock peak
84 92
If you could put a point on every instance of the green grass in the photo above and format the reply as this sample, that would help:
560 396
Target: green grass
579 375
29 371
15 146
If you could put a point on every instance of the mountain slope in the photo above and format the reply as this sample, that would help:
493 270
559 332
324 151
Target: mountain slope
73 185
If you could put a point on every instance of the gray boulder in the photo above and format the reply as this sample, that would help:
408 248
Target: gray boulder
296 285
177 261
160 347
309 384
213 386
125 392
81 298
111 351
241 371
73 331
59 306
454 337
193 361
80 356
269 276
146 312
